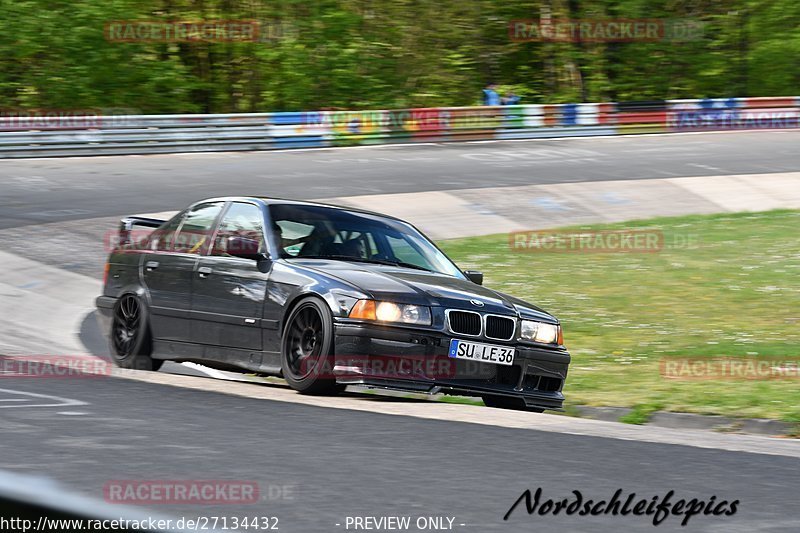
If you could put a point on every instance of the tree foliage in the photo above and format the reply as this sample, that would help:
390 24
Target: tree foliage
357 54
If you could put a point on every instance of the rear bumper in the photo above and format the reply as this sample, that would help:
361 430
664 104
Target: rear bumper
418 361
105 308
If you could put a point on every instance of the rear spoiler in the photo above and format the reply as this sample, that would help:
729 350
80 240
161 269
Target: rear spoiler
127 224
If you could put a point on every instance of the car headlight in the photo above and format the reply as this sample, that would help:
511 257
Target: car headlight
540 332
391 312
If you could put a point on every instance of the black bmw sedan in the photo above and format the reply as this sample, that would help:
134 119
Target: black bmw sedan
323 296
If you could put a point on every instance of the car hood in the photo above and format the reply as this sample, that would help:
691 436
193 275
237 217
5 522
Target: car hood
405 285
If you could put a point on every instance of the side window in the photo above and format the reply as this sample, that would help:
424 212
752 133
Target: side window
241 220
162 238
195 233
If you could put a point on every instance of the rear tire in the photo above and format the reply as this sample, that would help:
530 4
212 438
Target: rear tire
505 402
306 349
131 344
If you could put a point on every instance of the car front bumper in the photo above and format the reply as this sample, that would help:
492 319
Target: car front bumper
417 360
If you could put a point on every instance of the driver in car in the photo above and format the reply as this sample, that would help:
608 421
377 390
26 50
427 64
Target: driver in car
354 248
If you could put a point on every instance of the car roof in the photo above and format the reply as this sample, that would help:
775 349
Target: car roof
270 200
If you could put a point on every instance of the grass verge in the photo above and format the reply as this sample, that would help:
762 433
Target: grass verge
721 286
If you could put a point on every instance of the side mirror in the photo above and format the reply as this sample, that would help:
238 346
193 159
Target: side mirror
475 276
243 247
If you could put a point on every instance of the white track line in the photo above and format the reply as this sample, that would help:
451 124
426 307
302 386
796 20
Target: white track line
63 402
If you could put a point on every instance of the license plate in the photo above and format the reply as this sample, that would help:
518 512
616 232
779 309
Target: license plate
485 353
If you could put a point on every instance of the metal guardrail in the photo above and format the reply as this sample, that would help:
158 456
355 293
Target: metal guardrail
51 136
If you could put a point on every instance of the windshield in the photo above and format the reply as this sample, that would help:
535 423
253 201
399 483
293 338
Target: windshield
317 232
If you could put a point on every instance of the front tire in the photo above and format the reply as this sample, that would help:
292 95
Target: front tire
505 402
306 349
131 344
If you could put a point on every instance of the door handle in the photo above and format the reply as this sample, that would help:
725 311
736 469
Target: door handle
151 265
204 271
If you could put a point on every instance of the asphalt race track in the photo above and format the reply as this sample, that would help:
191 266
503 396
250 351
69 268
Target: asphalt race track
52 190
364 454
322 465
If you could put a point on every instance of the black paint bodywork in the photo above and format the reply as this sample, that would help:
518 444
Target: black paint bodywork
233 318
